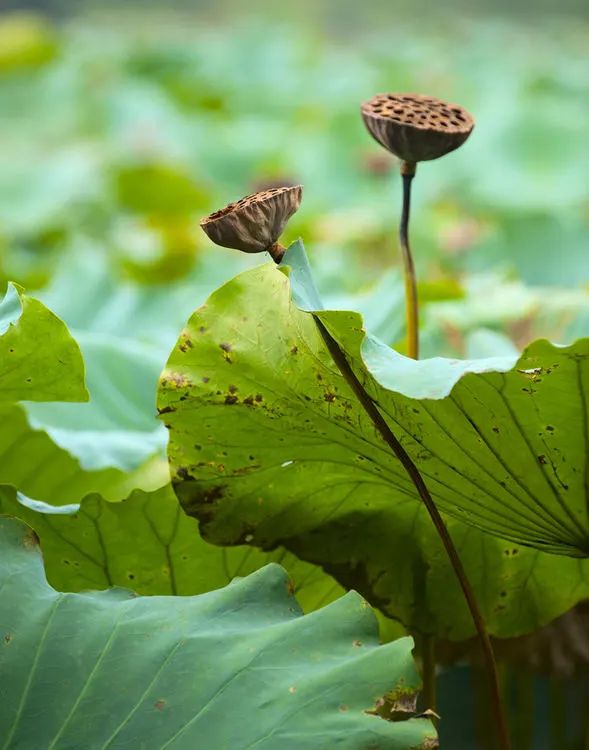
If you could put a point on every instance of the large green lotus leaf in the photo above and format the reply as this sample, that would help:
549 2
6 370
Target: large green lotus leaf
39 360
148 543
269 447
115 670
32 462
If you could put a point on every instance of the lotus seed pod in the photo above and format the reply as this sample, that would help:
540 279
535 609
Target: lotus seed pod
415 127
254 223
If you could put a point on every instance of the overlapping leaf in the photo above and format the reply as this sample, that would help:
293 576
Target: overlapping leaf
191 671
40 361
269 447
147 543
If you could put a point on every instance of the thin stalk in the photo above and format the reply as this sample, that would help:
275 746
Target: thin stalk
428 669
387 435
411 301
428 650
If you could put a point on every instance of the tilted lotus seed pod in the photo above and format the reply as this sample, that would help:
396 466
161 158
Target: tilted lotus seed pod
415 127
254 223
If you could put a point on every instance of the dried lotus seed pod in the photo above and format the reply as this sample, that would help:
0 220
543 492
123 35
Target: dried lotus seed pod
415 127
254 223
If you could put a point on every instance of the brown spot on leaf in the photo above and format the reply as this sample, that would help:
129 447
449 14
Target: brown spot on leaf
177 380
398 705
205 379
159 705
7 637
195 500
225 346
542 459
31 539
259 398
229 399
294 350
233 389
166 410
329 397
249 400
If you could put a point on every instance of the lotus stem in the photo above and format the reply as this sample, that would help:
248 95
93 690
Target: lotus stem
428 670
411 301
340 360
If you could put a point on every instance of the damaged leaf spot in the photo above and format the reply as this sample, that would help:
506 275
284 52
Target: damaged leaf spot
229 399
176 380
399 705
166 410
31 539
159 705
226 349
7 637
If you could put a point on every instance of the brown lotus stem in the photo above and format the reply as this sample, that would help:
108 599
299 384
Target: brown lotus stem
411 300
427 647
338 356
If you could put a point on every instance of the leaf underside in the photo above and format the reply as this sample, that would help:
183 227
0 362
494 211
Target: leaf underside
269 447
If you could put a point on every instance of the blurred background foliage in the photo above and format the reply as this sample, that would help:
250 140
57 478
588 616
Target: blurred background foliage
121 125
